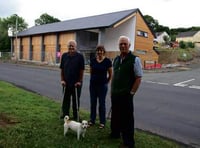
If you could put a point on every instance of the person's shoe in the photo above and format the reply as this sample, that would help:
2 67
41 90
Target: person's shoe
90 123
101 126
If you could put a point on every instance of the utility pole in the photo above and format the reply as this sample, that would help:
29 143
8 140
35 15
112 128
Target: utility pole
16 31
10 34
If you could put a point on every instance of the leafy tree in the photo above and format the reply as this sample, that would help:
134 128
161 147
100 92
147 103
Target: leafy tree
5 24
173 37
152 23
46 19
166 39
161 28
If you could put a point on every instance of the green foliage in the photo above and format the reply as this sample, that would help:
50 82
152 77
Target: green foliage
5 24
152 23
190 45
173 55
173 38
185 45
185 55
33 122
182 44
46 19
166 39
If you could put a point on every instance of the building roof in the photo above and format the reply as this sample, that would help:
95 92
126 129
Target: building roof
186 34
91 22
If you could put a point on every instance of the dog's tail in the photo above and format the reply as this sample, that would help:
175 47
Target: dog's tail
66 118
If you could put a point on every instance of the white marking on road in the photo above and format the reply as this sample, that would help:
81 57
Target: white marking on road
194 86
163 83
157 82
150 82
181 84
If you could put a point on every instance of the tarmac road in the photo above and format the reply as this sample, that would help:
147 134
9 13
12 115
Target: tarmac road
167 104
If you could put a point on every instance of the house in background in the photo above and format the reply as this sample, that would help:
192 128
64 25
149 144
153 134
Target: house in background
46 43
160 37
190 36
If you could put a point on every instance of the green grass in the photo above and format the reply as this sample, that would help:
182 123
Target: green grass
33 121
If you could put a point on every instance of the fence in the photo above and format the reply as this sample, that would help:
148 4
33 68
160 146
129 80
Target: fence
5 55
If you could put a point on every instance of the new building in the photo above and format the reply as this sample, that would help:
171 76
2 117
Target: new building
46 43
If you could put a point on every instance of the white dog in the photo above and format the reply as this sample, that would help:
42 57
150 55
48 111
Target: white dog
79 128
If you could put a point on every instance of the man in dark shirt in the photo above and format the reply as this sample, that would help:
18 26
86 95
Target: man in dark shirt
72 69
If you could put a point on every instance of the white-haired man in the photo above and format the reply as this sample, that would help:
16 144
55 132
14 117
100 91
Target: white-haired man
127 74
72 69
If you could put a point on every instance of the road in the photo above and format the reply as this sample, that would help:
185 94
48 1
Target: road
167 104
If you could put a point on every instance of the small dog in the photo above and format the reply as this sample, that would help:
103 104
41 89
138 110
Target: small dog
79 128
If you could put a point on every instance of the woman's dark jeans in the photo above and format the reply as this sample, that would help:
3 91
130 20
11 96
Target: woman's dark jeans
98 92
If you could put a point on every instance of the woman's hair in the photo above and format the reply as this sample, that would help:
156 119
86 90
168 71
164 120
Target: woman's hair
101 47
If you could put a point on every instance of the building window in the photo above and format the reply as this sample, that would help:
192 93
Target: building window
142 33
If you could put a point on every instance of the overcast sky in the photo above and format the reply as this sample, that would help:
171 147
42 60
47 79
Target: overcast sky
171 13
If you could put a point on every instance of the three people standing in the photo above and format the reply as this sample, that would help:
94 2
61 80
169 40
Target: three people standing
126 79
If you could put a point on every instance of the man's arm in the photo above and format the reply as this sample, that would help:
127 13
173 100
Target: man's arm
138 73
136 85
63 83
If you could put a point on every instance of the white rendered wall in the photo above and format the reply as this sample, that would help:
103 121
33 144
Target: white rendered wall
112 35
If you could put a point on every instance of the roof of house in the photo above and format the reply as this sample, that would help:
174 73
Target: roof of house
91 22
186 34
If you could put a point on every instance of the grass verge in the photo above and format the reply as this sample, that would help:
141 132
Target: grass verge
30 120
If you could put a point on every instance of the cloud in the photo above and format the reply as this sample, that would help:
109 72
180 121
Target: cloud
171 13
8 8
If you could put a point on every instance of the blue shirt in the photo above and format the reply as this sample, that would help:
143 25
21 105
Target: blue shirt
99 71
138 67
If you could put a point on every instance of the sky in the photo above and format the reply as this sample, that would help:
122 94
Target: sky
170 13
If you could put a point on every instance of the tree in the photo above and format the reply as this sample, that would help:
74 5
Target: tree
5 24
46 19
152 23
166 39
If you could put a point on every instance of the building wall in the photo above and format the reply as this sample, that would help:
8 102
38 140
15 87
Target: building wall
161 36
197 37
144 45
16 44
63 39
25 44
194 39
36 46
185 39
112 35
